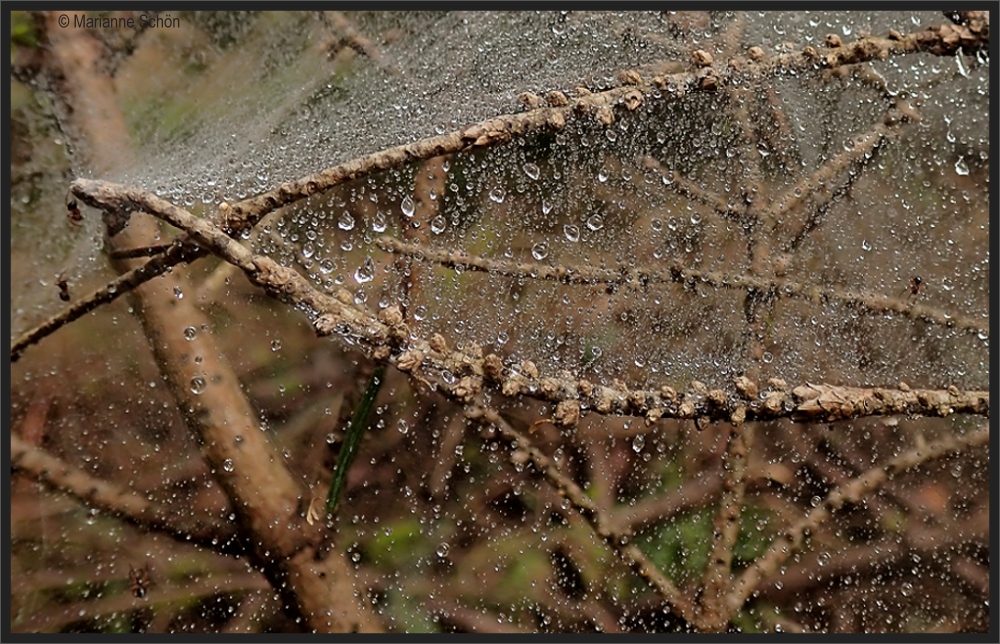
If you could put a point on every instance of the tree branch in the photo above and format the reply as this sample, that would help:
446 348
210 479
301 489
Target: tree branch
117 502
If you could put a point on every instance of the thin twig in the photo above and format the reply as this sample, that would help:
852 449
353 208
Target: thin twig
145 251
717 577
124 283
640 278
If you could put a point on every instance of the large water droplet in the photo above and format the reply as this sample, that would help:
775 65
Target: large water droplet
408 207
379 223
190 333
366 272
595 222
346 221
198 385
438 224
572 232
540 251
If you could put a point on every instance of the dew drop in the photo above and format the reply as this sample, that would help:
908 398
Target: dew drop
198 385
366 272
346 221
595 222
275 345
408 207
961 168
379 223
228 465
572 232
498 195
438 224
190 333
532 170
540 251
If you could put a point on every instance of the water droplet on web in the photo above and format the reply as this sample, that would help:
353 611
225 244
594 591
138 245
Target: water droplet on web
656 224
540 251
346 221
498 195
960 62
190 333
595 222
326 266
546 206
572 232
438 224
407 206
379 223
532 170
178 293
366 272
228 465
962 168
442 550
275 345
198 385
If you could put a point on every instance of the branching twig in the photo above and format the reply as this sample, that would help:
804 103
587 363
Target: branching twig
852 492
619 540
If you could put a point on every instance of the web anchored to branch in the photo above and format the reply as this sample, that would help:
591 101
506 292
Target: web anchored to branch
769 219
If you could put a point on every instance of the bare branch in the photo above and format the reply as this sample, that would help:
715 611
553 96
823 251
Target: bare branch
115 501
